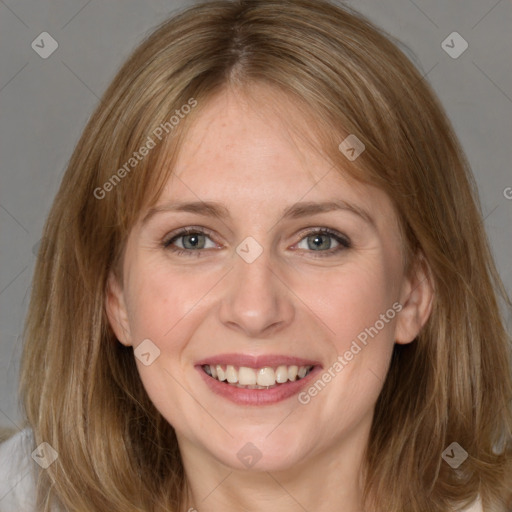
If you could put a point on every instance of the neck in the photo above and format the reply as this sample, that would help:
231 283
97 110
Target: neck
325 481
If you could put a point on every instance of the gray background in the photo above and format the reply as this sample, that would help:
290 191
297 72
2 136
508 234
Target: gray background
45 104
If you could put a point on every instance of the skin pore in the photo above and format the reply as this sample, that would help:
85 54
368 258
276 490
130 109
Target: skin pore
307 295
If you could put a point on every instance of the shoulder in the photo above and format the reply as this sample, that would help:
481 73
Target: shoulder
475 507
17 473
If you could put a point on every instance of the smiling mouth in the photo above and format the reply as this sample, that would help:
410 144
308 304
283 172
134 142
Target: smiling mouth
266 377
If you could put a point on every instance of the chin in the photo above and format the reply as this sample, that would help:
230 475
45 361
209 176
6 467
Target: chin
261 452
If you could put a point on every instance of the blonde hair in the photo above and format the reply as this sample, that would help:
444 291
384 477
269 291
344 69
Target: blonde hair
80 387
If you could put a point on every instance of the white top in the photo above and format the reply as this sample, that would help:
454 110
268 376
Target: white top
17 474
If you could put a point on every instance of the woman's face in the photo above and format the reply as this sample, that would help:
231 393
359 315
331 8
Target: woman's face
270 280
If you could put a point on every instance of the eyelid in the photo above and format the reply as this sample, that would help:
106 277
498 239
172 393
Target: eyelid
189 230
342 239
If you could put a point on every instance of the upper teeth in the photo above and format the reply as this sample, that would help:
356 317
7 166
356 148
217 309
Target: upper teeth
266 376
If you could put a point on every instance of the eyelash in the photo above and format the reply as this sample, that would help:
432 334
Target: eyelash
344 242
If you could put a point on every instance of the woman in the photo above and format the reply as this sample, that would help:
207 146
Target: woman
265 282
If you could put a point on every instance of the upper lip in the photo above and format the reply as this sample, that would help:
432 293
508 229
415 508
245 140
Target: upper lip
260 361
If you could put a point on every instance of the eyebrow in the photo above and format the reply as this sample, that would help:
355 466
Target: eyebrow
295 211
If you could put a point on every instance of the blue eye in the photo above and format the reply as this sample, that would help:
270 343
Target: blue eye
192 241
320 241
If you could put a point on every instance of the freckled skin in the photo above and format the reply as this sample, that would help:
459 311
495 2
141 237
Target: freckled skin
290 301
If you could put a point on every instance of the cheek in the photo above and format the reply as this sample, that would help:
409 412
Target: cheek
162 308
353 300
357 307
161 299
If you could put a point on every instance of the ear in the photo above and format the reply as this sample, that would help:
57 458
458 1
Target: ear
416 298
116 310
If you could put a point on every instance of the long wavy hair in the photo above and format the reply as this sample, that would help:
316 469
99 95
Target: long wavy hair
79 386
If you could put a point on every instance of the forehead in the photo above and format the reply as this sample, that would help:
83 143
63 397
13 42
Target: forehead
252 130
259 146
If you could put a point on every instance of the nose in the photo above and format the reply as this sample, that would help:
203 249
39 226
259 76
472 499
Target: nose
257 301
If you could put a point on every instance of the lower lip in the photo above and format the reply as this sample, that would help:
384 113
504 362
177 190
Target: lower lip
244 396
